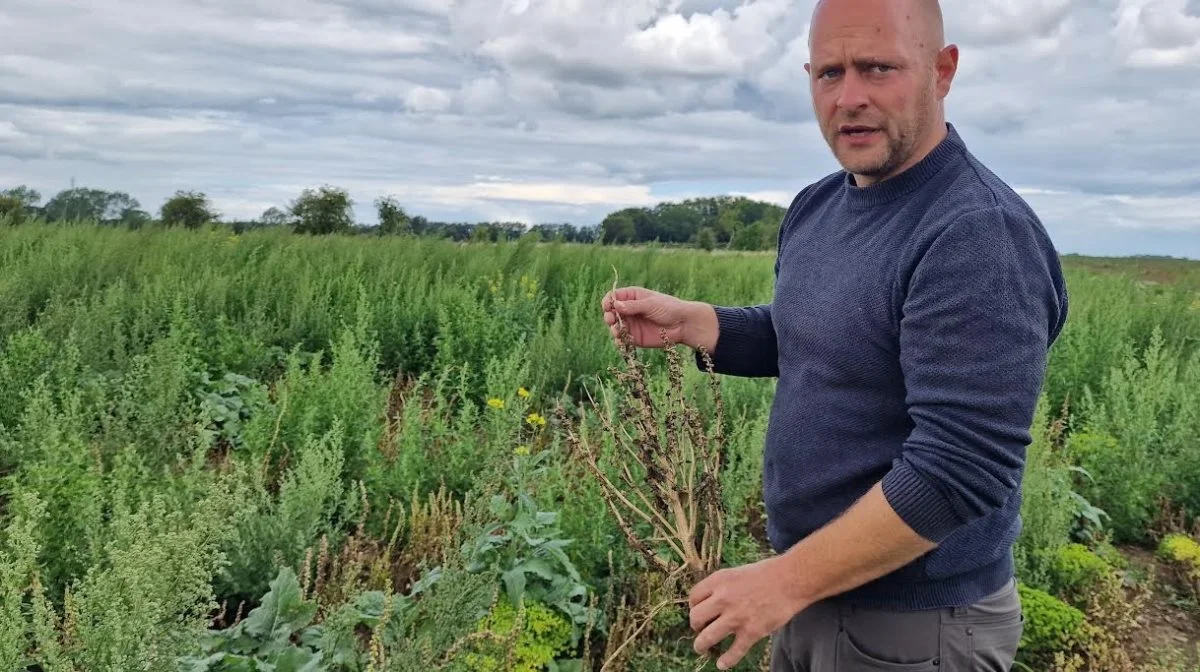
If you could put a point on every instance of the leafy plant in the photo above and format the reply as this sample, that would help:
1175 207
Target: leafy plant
525 548
227 404
542 634
276 633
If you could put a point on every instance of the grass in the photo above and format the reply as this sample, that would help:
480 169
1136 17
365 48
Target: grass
392 440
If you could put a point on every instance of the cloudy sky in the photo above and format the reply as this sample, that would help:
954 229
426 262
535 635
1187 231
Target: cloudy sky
563 110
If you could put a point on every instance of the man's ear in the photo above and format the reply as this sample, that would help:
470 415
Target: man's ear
946 66
808 68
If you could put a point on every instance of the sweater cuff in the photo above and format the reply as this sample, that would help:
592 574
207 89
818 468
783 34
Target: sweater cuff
741 349
918 503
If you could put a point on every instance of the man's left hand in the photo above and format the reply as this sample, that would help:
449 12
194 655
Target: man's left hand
749 602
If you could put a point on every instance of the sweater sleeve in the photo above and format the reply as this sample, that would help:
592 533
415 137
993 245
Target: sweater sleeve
982 307
745 344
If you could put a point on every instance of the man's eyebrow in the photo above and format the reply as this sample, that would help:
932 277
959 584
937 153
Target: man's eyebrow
860 62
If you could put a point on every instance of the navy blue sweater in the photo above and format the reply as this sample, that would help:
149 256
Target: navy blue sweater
909 331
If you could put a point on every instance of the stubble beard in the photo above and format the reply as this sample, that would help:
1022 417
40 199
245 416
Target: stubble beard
901 142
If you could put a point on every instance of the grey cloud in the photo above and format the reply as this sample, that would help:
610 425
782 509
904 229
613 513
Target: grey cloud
472 109
995 22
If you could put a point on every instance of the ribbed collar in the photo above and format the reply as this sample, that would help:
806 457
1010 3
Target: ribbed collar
894 187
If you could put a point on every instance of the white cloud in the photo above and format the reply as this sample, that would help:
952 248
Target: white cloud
994 22
425 99
1157 33
563 110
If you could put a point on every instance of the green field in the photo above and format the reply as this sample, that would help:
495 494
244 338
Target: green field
280 452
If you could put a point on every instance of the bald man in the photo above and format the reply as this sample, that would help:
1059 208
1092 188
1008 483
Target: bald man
916 298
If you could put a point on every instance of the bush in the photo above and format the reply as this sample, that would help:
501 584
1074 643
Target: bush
1051 626
1137 433
542 634
1078 571
1182 553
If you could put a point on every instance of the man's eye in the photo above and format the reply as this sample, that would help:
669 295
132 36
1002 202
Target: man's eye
881 67
826 74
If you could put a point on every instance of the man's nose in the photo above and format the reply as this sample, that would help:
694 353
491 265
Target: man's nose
853 92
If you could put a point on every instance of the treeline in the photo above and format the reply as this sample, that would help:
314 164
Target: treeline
726 222
732 222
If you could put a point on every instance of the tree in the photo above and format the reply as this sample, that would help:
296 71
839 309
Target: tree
133 218
12 210
324 211
619 227
706 240
188 209
18 204
104 207
273 216
392 218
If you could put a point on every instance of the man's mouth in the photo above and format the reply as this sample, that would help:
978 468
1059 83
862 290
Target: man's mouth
856 131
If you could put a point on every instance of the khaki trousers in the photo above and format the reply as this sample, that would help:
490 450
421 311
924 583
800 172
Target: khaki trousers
835 637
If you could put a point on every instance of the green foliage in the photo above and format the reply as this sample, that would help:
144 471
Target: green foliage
1078 570
312 497
322 211
392 218
1051 626
1180 548
1183 554
735 222
525 548
189 209
1047 507
227 404
1137 433
109 208
542 634
140 606
12 211
188 413
28 198
276 633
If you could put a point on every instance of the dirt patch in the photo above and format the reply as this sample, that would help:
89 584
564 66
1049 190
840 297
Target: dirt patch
1171 622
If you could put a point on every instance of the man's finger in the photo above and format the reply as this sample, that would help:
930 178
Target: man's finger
702 614
717 631
702 590
627 293
741 646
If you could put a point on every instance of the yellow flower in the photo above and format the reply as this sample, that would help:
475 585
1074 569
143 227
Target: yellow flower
496 403
521 450
523 393
536 420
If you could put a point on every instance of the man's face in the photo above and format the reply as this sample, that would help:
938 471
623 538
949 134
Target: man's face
874 85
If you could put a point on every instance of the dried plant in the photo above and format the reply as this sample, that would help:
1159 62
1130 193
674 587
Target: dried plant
369 562
666 495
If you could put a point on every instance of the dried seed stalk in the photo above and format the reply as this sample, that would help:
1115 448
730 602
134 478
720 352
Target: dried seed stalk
669 478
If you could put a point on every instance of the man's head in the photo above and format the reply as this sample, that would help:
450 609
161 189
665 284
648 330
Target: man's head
879 71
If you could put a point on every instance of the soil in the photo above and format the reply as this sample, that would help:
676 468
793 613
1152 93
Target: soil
1171 621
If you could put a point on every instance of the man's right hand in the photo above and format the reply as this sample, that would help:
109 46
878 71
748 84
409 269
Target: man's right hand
645 312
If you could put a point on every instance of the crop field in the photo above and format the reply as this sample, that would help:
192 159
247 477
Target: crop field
272 451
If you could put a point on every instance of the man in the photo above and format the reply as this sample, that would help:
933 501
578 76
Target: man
916 297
